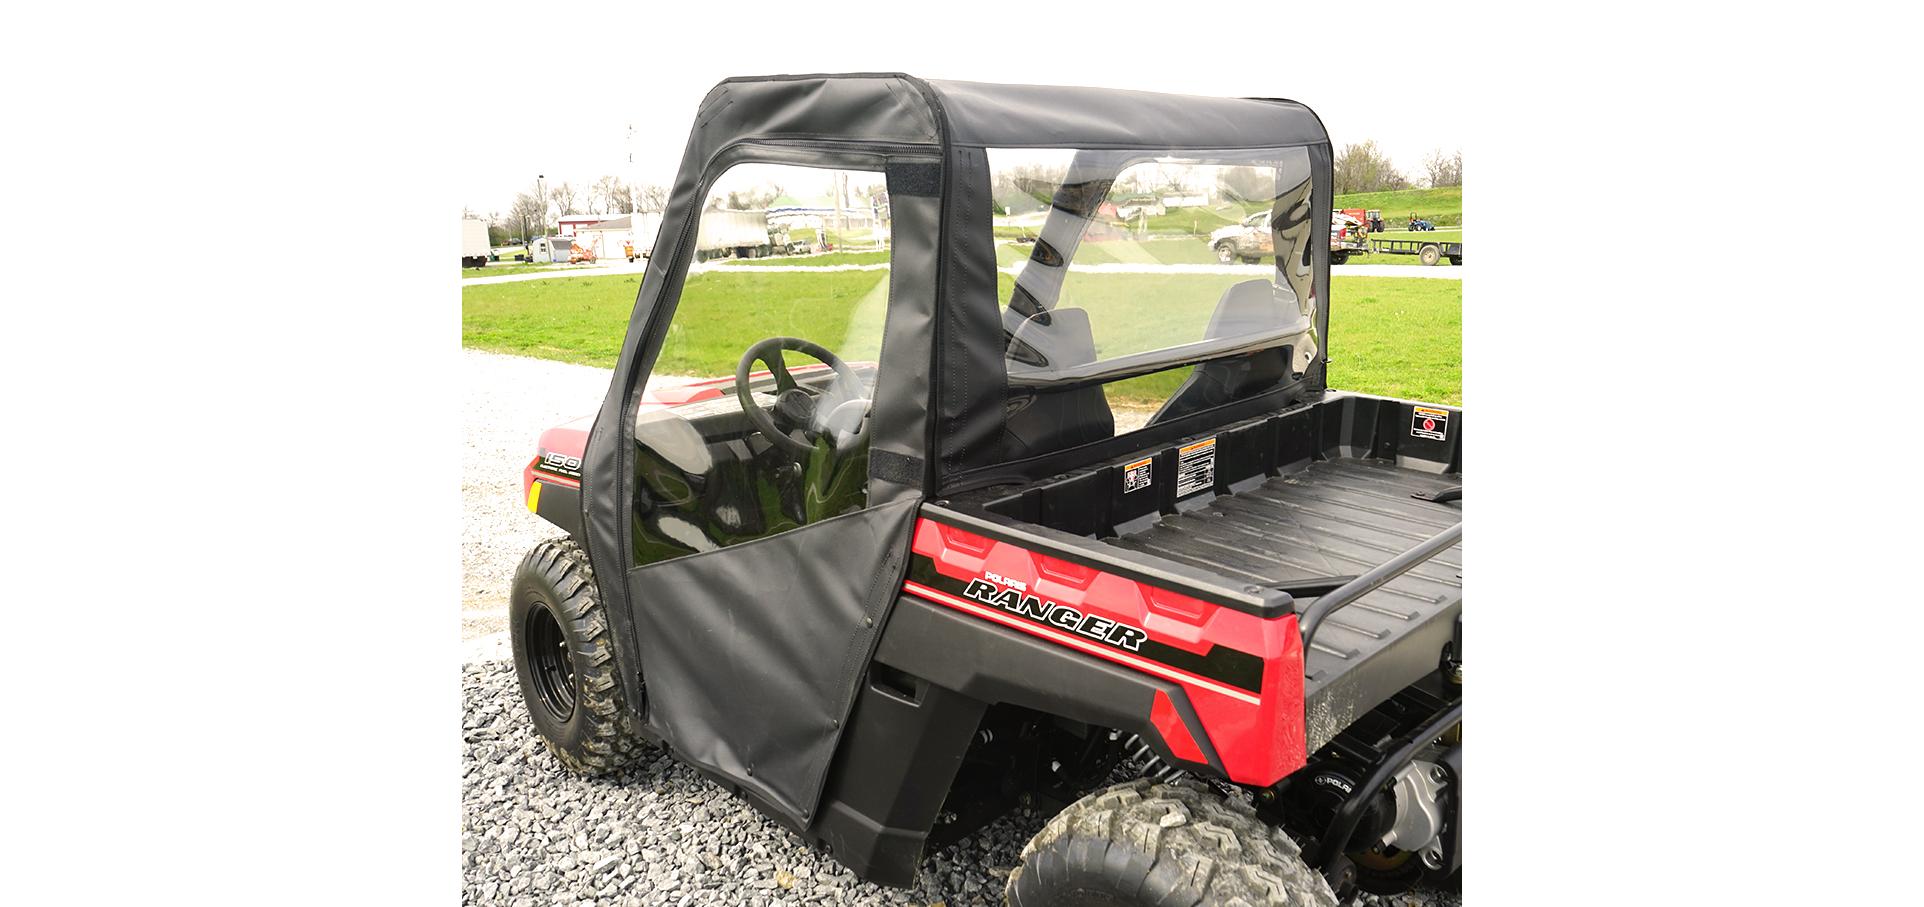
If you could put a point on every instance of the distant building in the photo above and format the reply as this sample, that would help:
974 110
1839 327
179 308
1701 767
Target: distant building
571 222
606 238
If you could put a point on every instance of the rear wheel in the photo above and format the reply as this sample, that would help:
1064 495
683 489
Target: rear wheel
1337 258
1143 843
564 656
1226 253
1431 255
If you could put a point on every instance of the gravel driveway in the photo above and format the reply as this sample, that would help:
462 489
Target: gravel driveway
656 833
506 403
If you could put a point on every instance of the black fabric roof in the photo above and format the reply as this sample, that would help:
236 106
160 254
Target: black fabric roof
1039 116
879 107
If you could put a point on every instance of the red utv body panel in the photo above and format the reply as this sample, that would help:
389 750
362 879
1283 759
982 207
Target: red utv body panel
1254 719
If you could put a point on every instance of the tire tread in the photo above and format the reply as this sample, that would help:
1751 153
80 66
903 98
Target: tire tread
1170 845
607 739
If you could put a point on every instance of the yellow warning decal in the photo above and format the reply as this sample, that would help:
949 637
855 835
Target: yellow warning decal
534 497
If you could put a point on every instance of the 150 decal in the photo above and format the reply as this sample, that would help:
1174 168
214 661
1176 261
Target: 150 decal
560 463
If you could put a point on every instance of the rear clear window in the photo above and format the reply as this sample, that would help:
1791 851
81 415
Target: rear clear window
1167 283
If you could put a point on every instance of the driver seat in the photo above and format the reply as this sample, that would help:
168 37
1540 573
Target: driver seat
1041 421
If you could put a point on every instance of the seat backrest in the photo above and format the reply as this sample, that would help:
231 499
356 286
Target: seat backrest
1044 421
1246 308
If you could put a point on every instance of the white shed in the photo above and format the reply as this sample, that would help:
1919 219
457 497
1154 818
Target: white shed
551 248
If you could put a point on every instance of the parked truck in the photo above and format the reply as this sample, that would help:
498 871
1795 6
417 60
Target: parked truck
641 243
1348 235
1249 241
732 234
936 575
475 247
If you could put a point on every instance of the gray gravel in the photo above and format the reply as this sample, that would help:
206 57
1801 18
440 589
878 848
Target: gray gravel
656 833
506 403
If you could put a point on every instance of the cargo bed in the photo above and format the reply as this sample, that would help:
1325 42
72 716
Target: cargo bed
1323 492
1334 518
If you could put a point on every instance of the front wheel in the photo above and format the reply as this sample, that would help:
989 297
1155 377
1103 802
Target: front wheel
1226 253
1431 255
1142 843
564 656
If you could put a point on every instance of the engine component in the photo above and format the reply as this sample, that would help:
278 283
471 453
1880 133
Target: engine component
1419 812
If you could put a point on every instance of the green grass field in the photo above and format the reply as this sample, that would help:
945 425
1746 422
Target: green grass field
825 259
1398 337
1398 206
510 268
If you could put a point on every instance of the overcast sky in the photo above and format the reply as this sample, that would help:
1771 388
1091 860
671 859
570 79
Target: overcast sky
576 125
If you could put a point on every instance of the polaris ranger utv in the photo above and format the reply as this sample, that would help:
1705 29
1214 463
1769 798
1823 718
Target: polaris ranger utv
1037 518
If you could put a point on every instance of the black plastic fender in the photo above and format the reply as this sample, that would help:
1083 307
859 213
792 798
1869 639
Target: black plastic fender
900 754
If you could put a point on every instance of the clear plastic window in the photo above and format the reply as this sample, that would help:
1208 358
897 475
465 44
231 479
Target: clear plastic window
1173 283
756 420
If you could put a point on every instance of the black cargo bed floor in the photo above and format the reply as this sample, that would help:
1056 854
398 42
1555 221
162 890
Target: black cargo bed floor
1338 517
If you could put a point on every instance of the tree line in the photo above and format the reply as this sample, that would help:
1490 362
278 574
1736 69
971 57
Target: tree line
538 209
1363 167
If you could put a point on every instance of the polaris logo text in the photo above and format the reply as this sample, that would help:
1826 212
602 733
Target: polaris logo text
999 579
1102 629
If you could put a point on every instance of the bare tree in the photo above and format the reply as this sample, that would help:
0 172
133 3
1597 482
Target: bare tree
526 214
650 197
606 194
754 198
1175 179
1443 169
1365 168
566 198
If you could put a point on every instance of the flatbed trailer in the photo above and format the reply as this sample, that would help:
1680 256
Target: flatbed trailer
1429 250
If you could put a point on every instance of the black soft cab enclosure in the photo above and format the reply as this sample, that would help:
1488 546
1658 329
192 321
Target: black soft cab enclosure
1061 512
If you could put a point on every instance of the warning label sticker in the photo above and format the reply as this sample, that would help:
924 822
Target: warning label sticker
1196 467
1136 476
1430 423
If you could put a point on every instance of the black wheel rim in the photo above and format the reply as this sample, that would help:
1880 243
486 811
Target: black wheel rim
549 665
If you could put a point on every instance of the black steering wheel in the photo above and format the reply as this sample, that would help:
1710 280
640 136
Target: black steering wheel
846 422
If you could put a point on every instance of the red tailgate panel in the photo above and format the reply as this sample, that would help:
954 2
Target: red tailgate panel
1243 674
